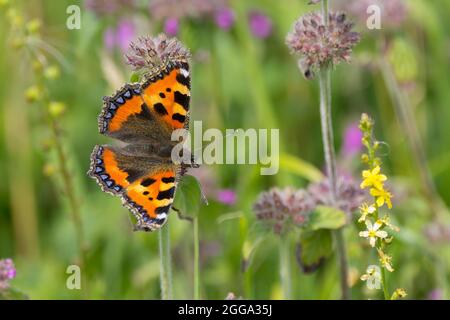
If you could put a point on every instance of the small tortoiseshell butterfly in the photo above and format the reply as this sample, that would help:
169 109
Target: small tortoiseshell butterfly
143 116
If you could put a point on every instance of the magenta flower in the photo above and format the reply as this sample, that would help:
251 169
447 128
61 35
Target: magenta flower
125 33
121 36
7 273
260 24
171 26
226 196
224 18
352 140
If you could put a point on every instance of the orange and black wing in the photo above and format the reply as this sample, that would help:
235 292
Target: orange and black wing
146 184
126 117
168 95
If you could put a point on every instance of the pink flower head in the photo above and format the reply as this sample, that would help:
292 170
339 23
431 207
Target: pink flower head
352 140
224 18
171 26
227 196
260 24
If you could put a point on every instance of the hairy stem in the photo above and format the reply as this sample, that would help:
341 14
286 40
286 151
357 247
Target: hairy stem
165 263
285 267
330 156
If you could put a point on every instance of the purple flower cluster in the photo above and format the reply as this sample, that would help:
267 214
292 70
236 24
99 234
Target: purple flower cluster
149 53
319 44
7 273
349 194
284 209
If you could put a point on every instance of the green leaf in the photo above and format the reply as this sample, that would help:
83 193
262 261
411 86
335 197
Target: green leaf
255 237
134 77
324 217
188 196
300 167
313 248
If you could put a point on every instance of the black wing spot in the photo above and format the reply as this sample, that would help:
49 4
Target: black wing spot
147 182
160 109
182 99
133 175
162 95
166 194
168 180
164 209
183 80
178 117
145 112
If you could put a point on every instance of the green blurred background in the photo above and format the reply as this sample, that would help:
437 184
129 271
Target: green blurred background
243 76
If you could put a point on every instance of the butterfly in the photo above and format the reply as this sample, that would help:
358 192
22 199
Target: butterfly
143 116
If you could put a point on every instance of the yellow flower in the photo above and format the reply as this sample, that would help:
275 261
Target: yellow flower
372 232
398 294
385 260
373 178
386 220
382 196
365 211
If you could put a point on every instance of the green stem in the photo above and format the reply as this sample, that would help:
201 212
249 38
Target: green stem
196 260
69 190
330 156
285 267
165 263
384 283
383 271
330 160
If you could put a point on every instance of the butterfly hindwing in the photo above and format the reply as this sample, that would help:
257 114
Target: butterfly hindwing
151 197
146 184
105 169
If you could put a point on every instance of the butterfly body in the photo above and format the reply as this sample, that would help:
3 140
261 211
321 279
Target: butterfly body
143 117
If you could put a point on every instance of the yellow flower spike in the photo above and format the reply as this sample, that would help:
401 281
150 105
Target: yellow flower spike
373 178
382 197
366 210
385 260
399 293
